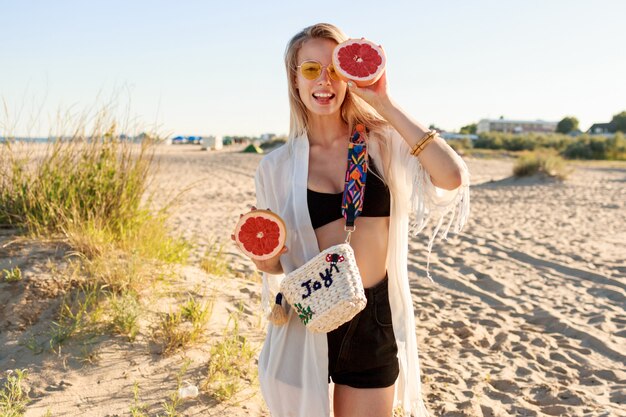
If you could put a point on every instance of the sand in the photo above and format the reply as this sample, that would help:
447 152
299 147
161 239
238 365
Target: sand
526 315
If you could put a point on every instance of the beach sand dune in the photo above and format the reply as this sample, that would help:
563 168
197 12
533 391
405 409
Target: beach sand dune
526 315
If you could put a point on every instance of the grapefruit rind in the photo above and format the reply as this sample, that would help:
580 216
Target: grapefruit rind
260 234
359 60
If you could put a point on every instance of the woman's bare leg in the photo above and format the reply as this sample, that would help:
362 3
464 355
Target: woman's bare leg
362 402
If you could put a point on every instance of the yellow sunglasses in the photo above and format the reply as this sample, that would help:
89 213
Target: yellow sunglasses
311 70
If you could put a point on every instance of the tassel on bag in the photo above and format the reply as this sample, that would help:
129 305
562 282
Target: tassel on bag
278 316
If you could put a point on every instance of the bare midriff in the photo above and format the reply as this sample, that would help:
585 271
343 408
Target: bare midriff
369 242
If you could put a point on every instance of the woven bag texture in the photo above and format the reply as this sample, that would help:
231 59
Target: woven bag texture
327 291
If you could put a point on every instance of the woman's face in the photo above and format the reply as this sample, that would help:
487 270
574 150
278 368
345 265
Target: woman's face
323 95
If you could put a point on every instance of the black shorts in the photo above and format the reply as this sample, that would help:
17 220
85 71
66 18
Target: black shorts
362 353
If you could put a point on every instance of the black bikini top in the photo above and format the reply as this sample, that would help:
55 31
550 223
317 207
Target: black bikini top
326 207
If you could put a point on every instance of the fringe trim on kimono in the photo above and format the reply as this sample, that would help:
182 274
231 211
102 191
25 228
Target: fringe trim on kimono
425 207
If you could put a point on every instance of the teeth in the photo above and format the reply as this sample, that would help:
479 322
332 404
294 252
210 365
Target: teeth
323 95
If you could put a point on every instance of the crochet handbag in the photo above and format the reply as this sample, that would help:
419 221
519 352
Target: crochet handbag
327 291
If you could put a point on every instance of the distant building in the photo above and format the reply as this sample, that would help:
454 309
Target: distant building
515 126
212 143
602 128
177 139
267 137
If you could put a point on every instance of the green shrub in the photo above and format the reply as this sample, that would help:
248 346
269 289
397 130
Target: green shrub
597 147
230 364
273 143
13 397
88 189
214 261
571 147
80 313
460 145
517 142
13 274
520 143
617 147
526 165
125 311
488 141
179 329
543 162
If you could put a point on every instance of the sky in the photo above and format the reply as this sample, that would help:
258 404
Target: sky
216 67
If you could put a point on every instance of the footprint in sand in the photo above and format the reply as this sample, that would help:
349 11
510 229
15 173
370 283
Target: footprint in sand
505 385
554 410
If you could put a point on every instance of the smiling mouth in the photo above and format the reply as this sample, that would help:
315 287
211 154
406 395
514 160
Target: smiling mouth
323 97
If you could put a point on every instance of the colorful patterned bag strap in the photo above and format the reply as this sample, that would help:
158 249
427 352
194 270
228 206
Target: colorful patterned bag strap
356 175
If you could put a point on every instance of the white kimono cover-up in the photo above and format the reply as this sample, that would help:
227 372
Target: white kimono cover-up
293 364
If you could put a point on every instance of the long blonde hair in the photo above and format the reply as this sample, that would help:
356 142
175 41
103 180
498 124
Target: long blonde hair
353 109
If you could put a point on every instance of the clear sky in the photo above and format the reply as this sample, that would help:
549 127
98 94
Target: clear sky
216 67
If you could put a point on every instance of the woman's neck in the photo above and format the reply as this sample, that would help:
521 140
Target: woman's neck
325 130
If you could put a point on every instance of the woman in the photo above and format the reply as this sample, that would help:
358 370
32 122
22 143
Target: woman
368 366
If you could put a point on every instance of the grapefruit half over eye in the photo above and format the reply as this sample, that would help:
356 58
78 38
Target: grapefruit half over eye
359 60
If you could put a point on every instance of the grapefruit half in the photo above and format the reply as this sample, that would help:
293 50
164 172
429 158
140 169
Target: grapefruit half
359 60
260 234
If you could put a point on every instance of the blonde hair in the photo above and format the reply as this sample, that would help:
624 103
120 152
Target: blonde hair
353 109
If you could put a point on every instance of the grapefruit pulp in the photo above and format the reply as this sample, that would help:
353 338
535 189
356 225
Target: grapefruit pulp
260 234
359 60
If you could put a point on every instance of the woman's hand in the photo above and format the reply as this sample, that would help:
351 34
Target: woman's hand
270 266
376 95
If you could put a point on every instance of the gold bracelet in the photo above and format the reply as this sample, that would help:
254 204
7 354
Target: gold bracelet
421 144
423 140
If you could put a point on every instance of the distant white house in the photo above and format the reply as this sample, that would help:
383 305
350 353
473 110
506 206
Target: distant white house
515 126
212 143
